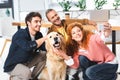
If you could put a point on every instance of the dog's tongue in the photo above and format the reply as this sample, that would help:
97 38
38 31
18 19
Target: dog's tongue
56 45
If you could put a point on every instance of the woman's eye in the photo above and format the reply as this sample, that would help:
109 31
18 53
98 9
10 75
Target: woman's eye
73 33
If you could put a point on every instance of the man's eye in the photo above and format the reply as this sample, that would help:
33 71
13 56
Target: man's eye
36 21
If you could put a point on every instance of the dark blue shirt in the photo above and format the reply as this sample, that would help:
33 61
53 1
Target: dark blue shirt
22 49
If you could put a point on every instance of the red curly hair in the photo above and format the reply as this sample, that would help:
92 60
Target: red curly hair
71 45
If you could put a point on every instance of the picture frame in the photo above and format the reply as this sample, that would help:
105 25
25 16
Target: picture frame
6 3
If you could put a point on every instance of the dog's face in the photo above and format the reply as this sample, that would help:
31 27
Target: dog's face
55 40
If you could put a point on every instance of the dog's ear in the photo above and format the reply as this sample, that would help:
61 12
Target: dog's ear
63 42
60 34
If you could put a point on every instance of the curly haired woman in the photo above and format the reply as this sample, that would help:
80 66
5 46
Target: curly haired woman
89 53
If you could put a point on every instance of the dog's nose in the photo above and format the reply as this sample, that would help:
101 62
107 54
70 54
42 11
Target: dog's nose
56 40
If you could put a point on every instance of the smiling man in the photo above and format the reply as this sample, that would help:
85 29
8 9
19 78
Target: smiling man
25 47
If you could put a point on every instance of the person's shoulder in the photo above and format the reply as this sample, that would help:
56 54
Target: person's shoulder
20 32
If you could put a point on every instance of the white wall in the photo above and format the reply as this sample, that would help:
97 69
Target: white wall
0 29
16 10
7 30
30 5
24 6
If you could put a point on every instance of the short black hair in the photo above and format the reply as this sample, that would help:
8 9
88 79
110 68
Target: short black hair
31 15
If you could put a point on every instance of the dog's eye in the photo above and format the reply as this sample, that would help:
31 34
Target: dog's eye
56 34
50 37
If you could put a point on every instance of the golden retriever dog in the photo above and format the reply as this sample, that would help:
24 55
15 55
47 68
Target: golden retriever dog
55 68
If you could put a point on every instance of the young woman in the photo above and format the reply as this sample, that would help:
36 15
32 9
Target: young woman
90 53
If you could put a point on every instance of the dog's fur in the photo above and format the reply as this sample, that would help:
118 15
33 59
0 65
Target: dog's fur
55 68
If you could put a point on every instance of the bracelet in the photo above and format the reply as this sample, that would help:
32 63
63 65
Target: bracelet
69 62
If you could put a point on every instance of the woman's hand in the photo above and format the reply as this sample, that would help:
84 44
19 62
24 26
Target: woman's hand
61 53
107 29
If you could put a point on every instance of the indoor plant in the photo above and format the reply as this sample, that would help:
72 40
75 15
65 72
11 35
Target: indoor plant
81 4
66 5
99 4
116 4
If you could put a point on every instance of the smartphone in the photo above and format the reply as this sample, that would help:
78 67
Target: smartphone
100 27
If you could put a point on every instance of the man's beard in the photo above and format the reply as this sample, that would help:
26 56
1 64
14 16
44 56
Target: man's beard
60 22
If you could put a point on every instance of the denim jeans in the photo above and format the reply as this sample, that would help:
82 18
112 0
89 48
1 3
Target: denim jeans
93 71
